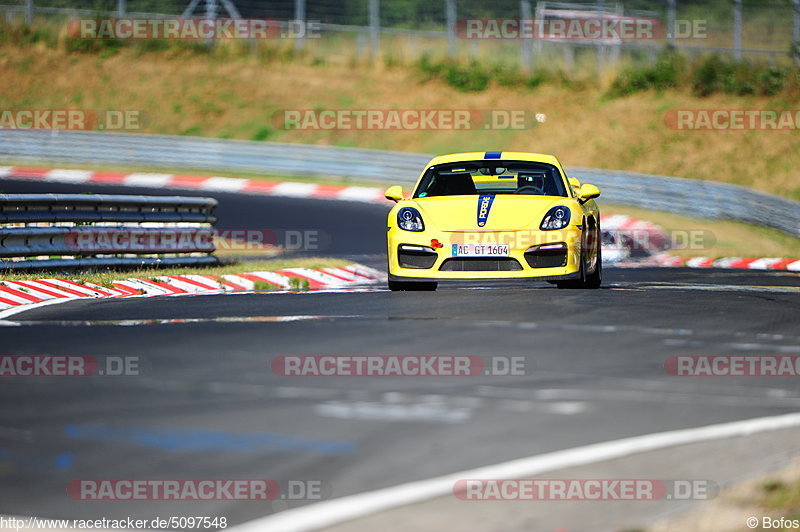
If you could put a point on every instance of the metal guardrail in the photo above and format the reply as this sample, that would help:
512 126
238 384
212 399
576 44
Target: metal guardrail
165 151
694 197
26 208
678 195
76 230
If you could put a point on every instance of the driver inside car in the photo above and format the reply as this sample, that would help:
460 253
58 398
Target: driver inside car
532 183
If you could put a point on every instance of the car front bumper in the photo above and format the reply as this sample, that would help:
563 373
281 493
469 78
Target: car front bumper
442 257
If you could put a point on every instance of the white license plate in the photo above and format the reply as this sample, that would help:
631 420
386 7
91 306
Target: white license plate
480 250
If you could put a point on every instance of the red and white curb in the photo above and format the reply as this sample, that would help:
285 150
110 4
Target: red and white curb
289 189
627 233
622 235
735 263
644 235
18 294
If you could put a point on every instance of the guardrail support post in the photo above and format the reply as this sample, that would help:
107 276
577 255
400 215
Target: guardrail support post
374 29
231 9
211 9
600 48
671 22
450 21
737 30
525 45
28 12
300 20
796 32
120 8
190 9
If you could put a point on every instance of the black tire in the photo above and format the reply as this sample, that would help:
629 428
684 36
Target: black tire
405 286
595 279
589 281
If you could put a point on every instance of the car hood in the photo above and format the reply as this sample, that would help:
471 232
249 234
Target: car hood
506 212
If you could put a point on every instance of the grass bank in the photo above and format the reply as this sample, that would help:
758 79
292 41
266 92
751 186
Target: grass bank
228 94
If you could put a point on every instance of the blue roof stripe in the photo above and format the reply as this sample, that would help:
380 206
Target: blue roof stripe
492 155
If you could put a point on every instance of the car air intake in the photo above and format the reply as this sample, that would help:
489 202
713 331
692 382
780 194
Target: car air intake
480 264
547 255
417 257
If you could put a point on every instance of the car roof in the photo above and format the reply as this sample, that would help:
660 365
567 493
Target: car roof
496 156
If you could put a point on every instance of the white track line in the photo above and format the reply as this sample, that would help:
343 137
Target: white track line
335 511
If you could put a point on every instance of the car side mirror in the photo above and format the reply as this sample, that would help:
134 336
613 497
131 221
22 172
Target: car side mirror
588 192
394 193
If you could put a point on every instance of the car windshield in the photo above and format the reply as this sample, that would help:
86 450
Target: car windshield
491 177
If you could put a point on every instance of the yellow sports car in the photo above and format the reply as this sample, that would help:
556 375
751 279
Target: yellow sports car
494 215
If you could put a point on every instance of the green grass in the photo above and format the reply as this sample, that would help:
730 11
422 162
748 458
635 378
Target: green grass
778 495
782 498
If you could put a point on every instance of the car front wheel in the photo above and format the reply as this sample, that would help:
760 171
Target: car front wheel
587 280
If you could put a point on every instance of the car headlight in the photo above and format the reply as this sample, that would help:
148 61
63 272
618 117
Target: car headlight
409 219
556 218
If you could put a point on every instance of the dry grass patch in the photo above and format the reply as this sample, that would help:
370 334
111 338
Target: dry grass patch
235 97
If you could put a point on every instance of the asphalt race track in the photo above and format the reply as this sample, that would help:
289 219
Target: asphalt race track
206 404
